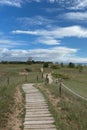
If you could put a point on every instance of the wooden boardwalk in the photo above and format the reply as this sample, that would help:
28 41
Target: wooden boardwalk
38 116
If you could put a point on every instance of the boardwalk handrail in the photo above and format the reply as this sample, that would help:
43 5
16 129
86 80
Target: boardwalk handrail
74 92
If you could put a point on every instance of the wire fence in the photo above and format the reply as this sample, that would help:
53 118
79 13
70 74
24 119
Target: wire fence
16 79
76 94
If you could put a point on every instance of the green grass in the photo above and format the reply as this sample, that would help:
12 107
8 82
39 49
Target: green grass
9 79
76 81
6 103
70 112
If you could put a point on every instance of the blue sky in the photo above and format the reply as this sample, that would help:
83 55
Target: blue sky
47 30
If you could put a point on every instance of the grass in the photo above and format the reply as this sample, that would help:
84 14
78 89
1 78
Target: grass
9 79
6 103
76 81
70 112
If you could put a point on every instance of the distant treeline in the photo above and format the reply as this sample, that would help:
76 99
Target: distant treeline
24 62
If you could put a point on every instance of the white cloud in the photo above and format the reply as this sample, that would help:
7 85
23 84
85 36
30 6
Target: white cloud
56 54
51 37
76 16
72 31
48 41
52 1
77 60
79 4
59 54
8 43
25 32
34 21
5 41
70 4
52 54
60 32
16 3
74 4
44 37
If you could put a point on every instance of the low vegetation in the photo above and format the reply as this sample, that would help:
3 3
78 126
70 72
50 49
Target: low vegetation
12 76
70 111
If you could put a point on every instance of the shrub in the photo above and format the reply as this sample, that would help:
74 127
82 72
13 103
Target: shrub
61 75
71 65
55 67
28 70
46 65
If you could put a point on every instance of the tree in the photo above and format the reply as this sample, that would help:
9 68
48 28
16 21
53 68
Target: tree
62 65
71 65
45 64
29 61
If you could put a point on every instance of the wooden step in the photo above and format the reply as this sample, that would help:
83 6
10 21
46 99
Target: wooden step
38 116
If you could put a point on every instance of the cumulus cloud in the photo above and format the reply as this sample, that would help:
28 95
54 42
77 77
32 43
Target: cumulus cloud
79 4
53 36
76 16
16 3
60 32
52 54
48 41
73 4
55 54
8 43
70 4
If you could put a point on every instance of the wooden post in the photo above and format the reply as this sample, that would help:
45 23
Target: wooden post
60 89
42 75
8 80
60 83
37 77
47 79
25 77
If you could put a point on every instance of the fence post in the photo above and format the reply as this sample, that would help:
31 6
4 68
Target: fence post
37 78
47 79
60 83
42 75
25 78
8 81
60 89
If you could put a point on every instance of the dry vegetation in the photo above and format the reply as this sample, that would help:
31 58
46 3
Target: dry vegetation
70 112
15 120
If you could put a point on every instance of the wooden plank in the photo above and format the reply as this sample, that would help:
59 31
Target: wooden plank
38 116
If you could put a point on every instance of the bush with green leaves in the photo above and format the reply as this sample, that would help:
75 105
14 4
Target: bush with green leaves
61 75
55 66
46 65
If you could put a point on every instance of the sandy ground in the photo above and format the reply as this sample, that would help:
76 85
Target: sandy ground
14 121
